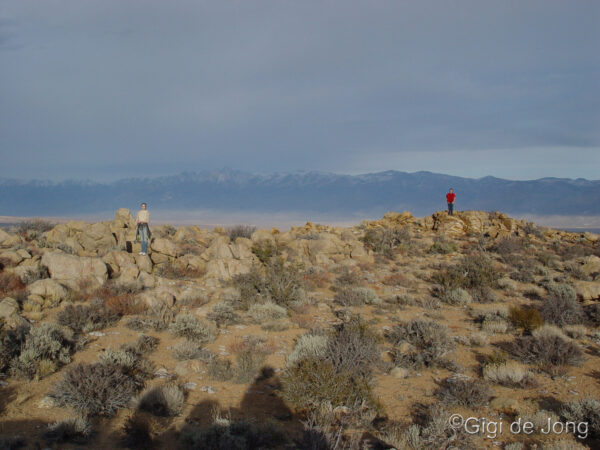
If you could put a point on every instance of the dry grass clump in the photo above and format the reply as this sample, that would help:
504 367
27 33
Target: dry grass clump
77 430
464 391
494 322
220 369
46 347
348 277
163 401
561 307
266 250
398 279
316 277
585 410
527 318
243 231
456 297
144 344
548 347
510 374
248 365
86 318
189 326
428 342
235 435
593 313
137 433
223 314
356 296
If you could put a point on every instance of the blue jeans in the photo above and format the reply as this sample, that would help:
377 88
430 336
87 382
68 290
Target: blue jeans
143 231
451 208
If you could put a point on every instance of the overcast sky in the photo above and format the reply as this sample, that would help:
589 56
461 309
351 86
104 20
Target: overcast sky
104 89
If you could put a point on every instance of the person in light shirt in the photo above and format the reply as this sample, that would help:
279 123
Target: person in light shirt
143 230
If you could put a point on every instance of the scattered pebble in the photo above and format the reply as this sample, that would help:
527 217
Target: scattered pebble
573 392
162 373
190 386
3 383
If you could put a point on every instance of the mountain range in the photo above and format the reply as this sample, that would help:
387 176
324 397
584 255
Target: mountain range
372 193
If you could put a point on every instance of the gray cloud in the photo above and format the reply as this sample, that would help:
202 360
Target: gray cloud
111 87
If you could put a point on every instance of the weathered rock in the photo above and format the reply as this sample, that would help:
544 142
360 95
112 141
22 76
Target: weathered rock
242 249
164 246
218 249
24 253
13 241
146 280
587 290
144 263
123 219
590 265
11 256
97 236
158 297
3 235
8 307
128 274
72 269
159 258
48 289
262 235
193 262
226 268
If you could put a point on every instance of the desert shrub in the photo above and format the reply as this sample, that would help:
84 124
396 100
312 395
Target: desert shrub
32 274
125 304
548 347
177 272
11 342
186 350
398 279
220 369
574 270
262 312
561 307
443 246
223 314
244 231
66 248
36 225
312 382
144 344
353 347
348 277
464 392
456 296
265 250
10 285
483 294
137 433
575 331
531 228
231 435
169 230
430 430
308 346
276 325
593 313
46 348
341 376
247 366
276 281
508 245
527 318
189 326
77 430
585 410
95 389
494 321
136 368
477 270
94 316
429 340
163 401
385 240
315 277
508 374
356 296
524 275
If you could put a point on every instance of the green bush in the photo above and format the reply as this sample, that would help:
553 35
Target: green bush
386 240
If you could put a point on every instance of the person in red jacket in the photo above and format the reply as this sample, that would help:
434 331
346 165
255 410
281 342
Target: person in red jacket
450 197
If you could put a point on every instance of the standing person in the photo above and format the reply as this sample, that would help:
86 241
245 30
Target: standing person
450 197
143 231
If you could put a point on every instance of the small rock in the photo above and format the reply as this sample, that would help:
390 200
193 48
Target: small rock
162 373
190 386
96 333
208 389
399 372
47 402
573 392
240 327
